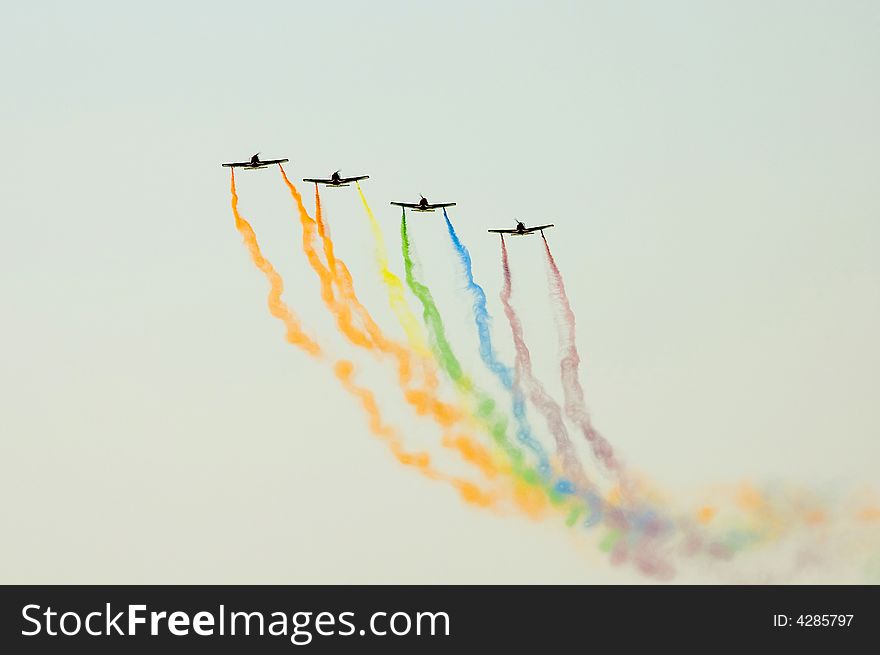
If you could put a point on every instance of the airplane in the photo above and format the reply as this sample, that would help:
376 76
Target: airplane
423 205
522 230
335 180
255 163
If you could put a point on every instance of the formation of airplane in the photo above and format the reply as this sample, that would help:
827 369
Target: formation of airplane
423 205
255 163
522 230
335 180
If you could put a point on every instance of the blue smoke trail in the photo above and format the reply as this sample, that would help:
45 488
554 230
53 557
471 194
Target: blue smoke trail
490 359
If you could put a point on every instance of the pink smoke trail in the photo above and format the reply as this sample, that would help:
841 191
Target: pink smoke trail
548 407
639 533
575 406
649 531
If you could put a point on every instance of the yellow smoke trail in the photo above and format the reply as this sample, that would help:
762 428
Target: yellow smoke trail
393 285
424 400
344 369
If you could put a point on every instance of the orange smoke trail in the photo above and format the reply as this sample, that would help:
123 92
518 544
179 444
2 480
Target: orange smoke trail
342 279
423 400
344 370
469 491
277 307
340 310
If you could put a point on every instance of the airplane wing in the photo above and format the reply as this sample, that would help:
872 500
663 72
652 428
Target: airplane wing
346 180
315 180
502 231
236 164
408 205
269 162
538 228
441 205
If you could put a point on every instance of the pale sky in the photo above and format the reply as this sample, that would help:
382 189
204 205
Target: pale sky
711 170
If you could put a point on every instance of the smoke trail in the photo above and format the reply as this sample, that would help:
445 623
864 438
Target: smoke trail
396 297
431 315
635 534
424 400
343 281
343 369
277 307
335 274
548 407
575 406
490 357
443 351
405 316
341 311
470 492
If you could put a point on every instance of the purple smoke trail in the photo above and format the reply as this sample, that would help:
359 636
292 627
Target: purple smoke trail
639 531
648 530
575 406
548 407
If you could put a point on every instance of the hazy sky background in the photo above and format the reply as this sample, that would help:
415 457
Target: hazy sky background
711 168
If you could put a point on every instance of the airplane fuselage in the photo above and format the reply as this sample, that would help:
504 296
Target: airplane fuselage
256 163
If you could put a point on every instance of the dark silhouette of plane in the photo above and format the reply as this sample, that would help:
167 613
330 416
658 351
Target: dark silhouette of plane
335 180
423 205
522 230
255 163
